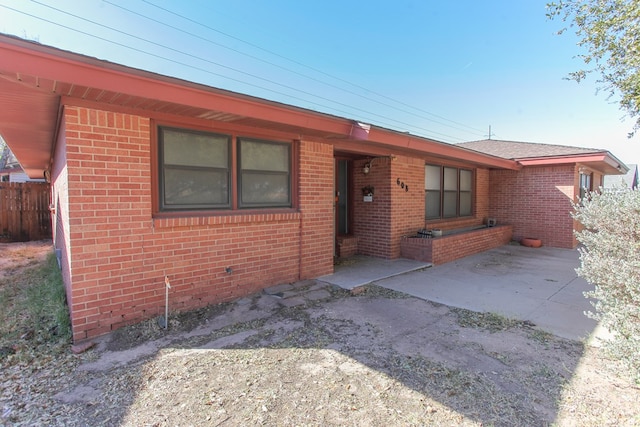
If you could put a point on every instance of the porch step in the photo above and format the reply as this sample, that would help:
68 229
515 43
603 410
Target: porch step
347 246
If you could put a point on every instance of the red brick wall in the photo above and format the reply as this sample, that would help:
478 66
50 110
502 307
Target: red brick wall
60 201
537 202
482 195
119 254
394 212
407 212
448 248
372 220
316 205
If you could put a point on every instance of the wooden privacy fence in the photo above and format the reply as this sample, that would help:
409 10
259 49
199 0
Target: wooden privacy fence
24 211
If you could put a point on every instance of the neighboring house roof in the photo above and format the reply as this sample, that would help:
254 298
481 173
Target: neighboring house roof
8 162
9 166
630 180
36 80
530 153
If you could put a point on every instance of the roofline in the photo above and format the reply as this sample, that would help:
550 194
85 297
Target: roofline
27 57
603 156
32 58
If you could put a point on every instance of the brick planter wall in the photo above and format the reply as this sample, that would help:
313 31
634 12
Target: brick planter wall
440 250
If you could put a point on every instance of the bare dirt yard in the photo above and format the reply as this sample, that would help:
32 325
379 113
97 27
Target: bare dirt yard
310 354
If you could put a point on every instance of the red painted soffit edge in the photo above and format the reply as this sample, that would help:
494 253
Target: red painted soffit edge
603 161
26 57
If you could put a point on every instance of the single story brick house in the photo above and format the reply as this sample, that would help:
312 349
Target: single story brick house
537 198
225 194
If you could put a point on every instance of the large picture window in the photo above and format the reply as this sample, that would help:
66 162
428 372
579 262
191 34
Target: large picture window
197 171
448 192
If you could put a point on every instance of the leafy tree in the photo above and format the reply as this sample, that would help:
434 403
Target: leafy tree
610 260
610 32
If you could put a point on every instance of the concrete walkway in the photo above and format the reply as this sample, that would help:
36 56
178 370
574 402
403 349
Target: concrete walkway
535 284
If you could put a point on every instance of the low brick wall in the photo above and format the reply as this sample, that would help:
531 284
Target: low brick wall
447 248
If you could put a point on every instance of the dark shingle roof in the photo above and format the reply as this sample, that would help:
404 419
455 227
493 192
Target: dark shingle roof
521 150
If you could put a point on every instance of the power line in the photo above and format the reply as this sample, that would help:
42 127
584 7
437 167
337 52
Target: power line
270 63
214 63
317 71
220 65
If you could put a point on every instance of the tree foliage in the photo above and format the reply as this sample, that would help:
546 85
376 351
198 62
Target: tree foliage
609 30
610 260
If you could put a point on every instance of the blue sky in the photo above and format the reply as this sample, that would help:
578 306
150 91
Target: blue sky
445 70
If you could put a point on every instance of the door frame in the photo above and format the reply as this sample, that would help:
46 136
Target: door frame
349 196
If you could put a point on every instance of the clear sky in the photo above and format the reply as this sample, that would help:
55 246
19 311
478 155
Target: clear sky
442 69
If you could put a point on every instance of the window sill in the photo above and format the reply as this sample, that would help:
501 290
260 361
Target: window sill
203 219
452 219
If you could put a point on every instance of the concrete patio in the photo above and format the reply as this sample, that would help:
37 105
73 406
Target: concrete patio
539 285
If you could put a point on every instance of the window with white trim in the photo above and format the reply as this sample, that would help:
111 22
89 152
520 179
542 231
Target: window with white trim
586 184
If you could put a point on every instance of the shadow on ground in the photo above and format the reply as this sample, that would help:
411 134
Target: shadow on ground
312 354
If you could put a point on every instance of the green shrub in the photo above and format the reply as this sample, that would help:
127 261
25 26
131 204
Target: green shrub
610 260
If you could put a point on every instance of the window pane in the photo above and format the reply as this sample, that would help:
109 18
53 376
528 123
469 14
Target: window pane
432 209
195 149
255 155
432 177
450 179
194 172
265 189
465 180
265 178
465 203
449 204
195 188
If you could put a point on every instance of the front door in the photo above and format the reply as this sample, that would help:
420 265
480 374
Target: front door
342 211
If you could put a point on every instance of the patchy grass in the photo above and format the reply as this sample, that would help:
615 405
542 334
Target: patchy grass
33 310
491 322
541 336
378 358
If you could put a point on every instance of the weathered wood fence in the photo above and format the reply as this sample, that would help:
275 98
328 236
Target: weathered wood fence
24 211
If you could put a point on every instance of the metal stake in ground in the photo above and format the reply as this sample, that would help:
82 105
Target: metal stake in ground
164 322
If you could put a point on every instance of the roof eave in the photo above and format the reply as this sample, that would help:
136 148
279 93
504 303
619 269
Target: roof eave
603 161
29 58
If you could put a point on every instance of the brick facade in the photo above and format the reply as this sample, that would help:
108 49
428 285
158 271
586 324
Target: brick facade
537 201
398 206
119 254
115 253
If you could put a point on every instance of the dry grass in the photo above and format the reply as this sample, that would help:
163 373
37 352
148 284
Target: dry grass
379 358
